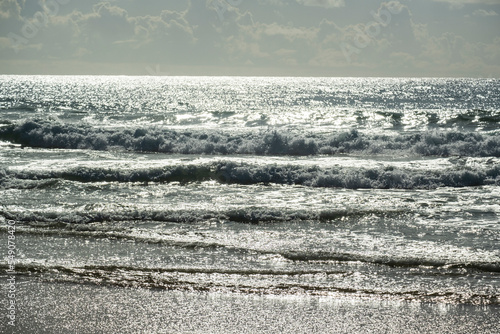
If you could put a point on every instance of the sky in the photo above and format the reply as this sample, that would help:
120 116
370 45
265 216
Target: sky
418 38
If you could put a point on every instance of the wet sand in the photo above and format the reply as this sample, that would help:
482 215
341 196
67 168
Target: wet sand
86 308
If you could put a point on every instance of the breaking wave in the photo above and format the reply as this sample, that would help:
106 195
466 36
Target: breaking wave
76 221
229 172
54 134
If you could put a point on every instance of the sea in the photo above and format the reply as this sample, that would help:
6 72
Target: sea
384 189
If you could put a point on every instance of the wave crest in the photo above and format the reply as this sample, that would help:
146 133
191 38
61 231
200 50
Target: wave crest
53 134
246 174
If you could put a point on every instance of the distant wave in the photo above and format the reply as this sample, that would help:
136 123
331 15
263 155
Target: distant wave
53 134
476 115
246 174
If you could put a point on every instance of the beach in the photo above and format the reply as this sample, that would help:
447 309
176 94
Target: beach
87 308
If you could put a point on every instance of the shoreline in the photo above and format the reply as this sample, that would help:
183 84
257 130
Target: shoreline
48 307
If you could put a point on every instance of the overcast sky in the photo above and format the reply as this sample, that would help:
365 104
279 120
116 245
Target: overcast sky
251 37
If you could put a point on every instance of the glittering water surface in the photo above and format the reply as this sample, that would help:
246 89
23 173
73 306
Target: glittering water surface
372 188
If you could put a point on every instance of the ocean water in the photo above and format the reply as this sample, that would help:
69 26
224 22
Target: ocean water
371 188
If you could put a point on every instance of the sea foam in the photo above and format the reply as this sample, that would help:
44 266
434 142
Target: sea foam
384 177
53 134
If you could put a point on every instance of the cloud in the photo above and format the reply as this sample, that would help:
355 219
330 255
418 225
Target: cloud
272 2
322 3
484 12
459 4
471 2
10 8
388 38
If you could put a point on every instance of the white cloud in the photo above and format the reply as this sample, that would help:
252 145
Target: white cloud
459 4
484 12
322 3
10 8
476 2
